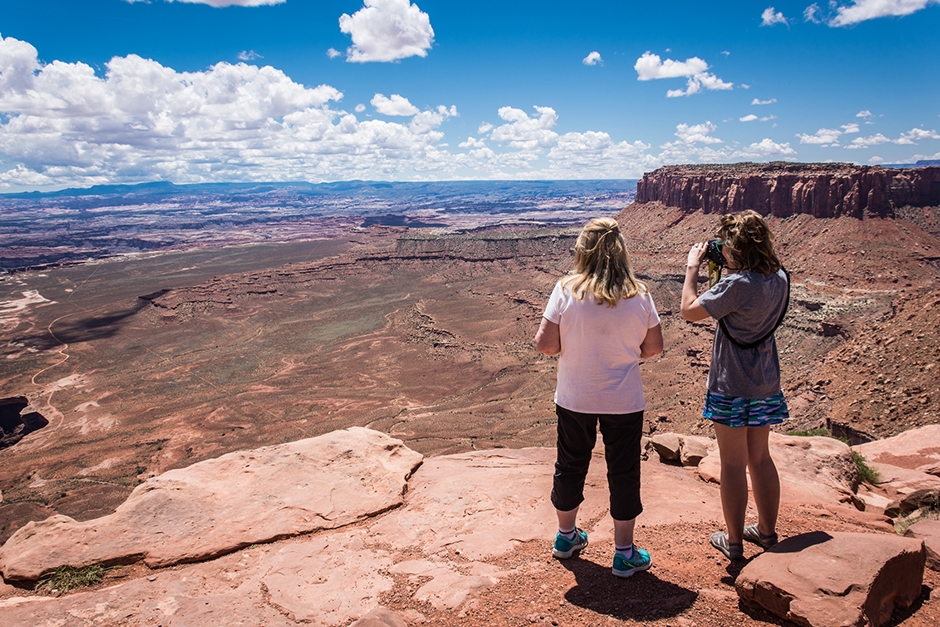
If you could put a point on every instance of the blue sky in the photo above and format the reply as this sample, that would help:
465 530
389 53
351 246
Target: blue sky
121 91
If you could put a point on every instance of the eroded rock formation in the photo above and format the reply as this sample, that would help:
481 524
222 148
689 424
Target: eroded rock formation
823 190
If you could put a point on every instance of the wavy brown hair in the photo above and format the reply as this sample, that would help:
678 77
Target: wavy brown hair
602 266
749 240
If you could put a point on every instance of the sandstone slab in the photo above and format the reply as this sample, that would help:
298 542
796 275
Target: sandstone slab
929 532
836 579
911 449
223 504
811 469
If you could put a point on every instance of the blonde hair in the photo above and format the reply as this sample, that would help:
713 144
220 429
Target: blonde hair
601 265
750 242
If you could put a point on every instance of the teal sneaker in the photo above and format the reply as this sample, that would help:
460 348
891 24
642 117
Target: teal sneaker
624 567
565 548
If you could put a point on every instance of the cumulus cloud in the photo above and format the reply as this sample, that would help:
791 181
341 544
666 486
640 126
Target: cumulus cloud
757 101
333 53
863 10
592 59
249 55
770 17
822 137
396 105
387 30
222 3
764 149
697 133
830 137
864 114
651 67
525 133
748 118
63 125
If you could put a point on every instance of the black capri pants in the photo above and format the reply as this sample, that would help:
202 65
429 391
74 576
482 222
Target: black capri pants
577 434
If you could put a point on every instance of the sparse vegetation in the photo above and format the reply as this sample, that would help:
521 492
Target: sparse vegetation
903 522
66 578
866 473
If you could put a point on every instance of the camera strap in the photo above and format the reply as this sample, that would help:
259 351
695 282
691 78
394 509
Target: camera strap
724 329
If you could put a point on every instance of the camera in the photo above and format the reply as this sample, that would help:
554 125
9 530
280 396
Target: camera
713 252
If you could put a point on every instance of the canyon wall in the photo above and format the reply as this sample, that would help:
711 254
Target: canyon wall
823 190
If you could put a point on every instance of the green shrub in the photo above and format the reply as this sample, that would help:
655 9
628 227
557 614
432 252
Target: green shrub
866 473
65 578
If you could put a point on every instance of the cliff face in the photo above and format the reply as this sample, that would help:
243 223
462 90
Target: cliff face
823 190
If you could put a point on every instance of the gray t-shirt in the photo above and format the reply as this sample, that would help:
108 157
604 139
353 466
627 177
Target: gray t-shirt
750 304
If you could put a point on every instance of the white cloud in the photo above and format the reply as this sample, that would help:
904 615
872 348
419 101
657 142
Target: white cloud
396 105
916 135
593 59
249 55
810 13
359 108
767 118
909 138
651 67
748 118
865 142
769 17
387 30
697 133
333 53
848 129
485 127
524 133
875 160
745 86
763 102
822 137
222 3
863 10
62 125
764 149
864 114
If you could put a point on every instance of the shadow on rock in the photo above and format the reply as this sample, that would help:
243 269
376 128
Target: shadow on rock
642 597
84 329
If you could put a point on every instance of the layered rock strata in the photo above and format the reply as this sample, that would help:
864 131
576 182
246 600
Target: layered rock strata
823 190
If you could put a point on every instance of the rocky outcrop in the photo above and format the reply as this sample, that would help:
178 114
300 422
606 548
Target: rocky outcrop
220 505
823 190
835 579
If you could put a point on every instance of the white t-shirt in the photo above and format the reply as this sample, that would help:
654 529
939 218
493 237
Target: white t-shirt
599 363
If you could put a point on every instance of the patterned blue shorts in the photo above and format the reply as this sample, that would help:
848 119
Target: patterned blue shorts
732 411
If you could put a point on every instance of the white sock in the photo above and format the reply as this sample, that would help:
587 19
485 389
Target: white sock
568 533
626 551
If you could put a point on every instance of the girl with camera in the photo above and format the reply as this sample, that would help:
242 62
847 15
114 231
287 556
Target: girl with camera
744 396
600 321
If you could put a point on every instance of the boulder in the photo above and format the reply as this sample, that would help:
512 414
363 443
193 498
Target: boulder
220 505
667 445
688 450
929 532
835 579
919 499
694 449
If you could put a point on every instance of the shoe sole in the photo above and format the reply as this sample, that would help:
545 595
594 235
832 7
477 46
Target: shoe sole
629 573
563 555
